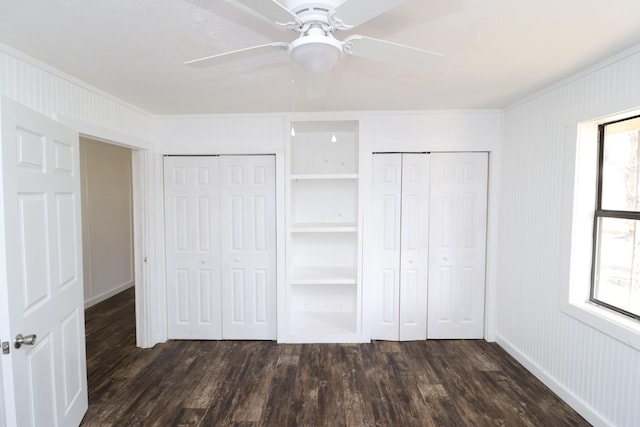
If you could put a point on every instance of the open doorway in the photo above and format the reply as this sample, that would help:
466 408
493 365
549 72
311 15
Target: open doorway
107 220
108 253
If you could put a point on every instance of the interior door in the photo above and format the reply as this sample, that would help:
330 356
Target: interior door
45 383
400 211
248 240
457 246
414 247
193 247
383 266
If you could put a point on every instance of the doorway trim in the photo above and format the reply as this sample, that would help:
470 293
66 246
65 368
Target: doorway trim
143 221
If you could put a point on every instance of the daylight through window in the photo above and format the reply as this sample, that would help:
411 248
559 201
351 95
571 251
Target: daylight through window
616 259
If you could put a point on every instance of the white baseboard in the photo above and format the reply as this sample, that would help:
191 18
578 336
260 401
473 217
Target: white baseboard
97 299
580 406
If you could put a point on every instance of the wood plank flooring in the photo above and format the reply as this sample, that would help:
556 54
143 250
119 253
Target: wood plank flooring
258 383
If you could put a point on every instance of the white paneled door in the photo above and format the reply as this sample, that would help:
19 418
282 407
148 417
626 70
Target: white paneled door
414 242
382 269
220 240
457 245
193 247
425 272
248 254
44 380
397 271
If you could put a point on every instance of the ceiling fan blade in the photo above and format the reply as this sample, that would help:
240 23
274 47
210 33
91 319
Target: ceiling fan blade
272 10
391 53
235 55
351 13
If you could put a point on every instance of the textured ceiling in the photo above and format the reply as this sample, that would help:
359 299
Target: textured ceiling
496 52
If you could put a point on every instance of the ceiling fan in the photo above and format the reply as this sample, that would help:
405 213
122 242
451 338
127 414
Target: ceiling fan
316 50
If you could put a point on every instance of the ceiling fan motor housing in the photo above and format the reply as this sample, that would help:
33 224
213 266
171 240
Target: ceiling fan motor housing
316 51
308 11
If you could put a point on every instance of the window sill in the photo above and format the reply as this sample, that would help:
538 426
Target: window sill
615 325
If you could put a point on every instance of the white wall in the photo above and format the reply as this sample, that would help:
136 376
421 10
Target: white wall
598 375
54 94
475 130
107 220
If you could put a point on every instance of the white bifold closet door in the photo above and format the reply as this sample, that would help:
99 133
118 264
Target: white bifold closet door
400 209
220 247
457 245
248 246
425 270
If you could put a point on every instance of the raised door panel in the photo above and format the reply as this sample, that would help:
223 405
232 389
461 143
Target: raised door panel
383 266
192 247
414 247
248 241
457 245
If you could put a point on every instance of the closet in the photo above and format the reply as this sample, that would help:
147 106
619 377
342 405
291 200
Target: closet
220 229
425 267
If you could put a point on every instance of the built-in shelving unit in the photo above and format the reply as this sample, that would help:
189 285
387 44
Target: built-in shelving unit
323 295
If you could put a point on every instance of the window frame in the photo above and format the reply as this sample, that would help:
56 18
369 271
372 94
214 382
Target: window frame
581 161
600 213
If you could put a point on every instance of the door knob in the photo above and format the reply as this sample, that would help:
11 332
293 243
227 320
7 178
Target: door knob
28 340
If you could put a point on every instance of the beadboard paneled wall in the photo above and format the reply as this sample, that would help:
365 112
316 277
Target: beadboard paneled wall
50 93
473 130
598 375
220 134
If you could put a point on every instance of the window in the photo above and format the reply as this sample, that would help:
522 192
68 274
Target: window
615 280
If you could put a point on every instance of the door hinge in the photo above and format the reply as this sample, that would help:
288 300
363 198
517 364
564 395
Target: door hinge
6 347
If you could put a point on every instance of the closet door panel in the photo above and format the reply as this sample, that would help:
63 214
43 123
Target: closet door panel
414 247
457 247
248 256
192 252
383 270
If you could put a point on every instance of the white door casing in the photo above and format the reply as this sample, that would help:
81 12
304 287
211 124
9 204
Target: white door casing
248 247
457 246
193 250
44 384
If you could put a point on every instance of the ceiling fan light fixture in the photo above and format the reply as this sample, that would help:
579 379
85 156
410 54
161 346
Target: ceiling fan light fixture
316 53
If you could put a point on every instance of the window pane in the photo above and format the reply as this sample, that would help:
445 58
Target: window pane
618 264
620 171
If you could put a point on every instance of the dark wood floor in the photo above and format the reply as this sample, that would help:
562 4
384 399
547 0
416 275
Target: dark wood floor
257 383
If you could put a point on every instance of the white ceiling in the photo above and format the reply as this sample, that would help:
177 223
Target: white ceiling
496 52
